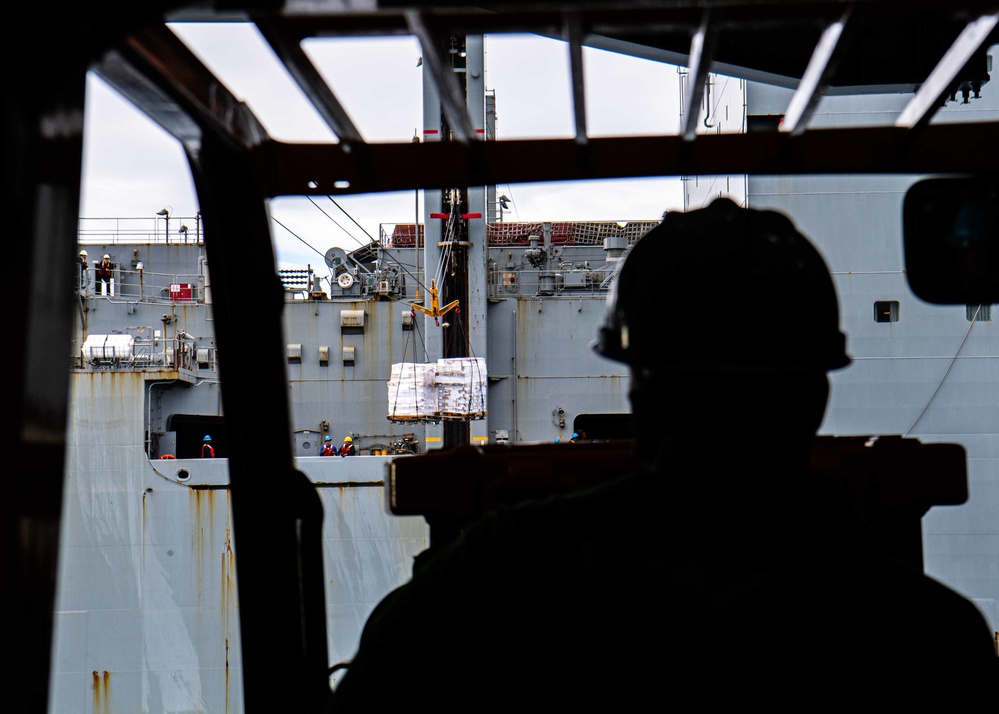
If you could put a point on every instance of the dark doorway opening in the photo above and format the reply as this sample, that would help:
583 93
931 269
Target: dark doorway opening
191 430
603 427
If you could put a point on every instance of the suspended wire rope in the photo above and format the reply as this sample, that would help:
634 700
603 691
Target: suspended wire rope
299 238
386 251
334 221
943 378
473 404
351 218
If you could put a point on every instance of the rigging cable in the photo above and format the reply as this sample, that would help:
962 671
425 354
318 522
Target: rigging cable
953 359
299 238
387 251
356 240
351 218
394 400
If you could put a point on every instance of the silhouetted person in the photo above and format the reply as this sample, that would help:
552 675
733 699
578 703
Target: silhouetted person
726 573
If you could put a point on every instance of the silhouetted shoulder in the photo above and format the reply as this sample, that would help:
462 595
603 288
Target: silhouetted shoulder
597 600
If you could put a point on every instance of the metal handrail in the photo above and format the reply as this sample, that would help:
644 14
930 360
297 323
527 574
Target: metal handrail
116 231
144 286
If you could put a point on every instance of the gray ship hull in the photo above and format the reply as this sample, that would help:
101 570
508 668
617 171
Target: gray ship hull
147 613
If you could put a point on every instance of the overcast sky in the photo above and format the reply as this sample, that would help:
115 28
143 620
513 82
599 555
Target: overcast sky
133 169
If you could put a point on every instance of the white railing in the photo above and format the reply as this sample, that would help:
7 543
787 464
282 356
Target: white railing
142 286
155 229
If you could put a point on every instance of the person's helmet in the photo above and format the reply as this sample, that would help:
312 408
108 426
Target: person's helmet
83 253
107 257
207 438
328 438
347 439
575 435
723 288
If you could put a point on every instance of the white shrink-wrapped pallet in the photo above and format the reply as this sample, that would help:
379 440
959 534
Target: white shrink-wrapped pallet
461 386
411 391
421 373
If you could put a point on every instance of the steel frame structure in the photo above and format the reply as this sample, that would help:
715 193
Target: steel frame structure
816 47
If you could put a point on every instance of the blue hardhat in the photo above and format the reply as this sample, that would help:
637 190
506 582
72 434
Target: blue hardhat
328 438
207 438
575 435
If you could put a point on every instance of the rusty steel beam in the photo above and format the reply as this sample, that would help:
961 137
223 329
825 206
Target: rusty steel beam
548 18
702 49
289 50
452 95
927 100
158 73
806 97
316 169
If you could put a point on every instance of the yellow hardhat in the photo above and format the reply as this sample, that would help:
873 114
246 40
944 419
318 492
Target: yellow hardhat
347 438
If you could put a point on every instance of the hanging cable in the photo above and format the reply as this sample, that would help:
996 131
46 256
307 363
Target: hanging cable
334 221
386 251
299 238
351 218
416 386
946 372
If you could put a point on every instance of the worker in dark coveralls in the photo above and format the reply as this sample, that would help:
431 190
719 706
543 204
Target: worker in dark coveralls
727 573
82 277
104 273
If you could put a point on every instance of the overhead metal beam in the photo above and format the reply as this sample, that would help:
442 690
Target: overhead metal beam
701 52
806 98
574 36
310 81
451 95
166 81
928 99
283 169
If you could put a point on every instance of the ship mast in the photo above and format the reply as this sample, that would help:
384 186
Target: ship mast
455 232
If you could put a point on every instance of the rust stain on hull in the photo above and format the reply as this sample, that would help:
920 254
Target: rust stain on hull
102 692
228 604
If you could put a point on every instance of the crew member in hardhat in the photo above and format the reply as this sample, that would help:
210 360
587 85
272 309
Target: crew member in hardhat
104 269
82 272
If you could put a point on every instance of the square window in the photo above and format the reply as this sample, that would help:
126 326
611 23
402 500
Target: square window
886 311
